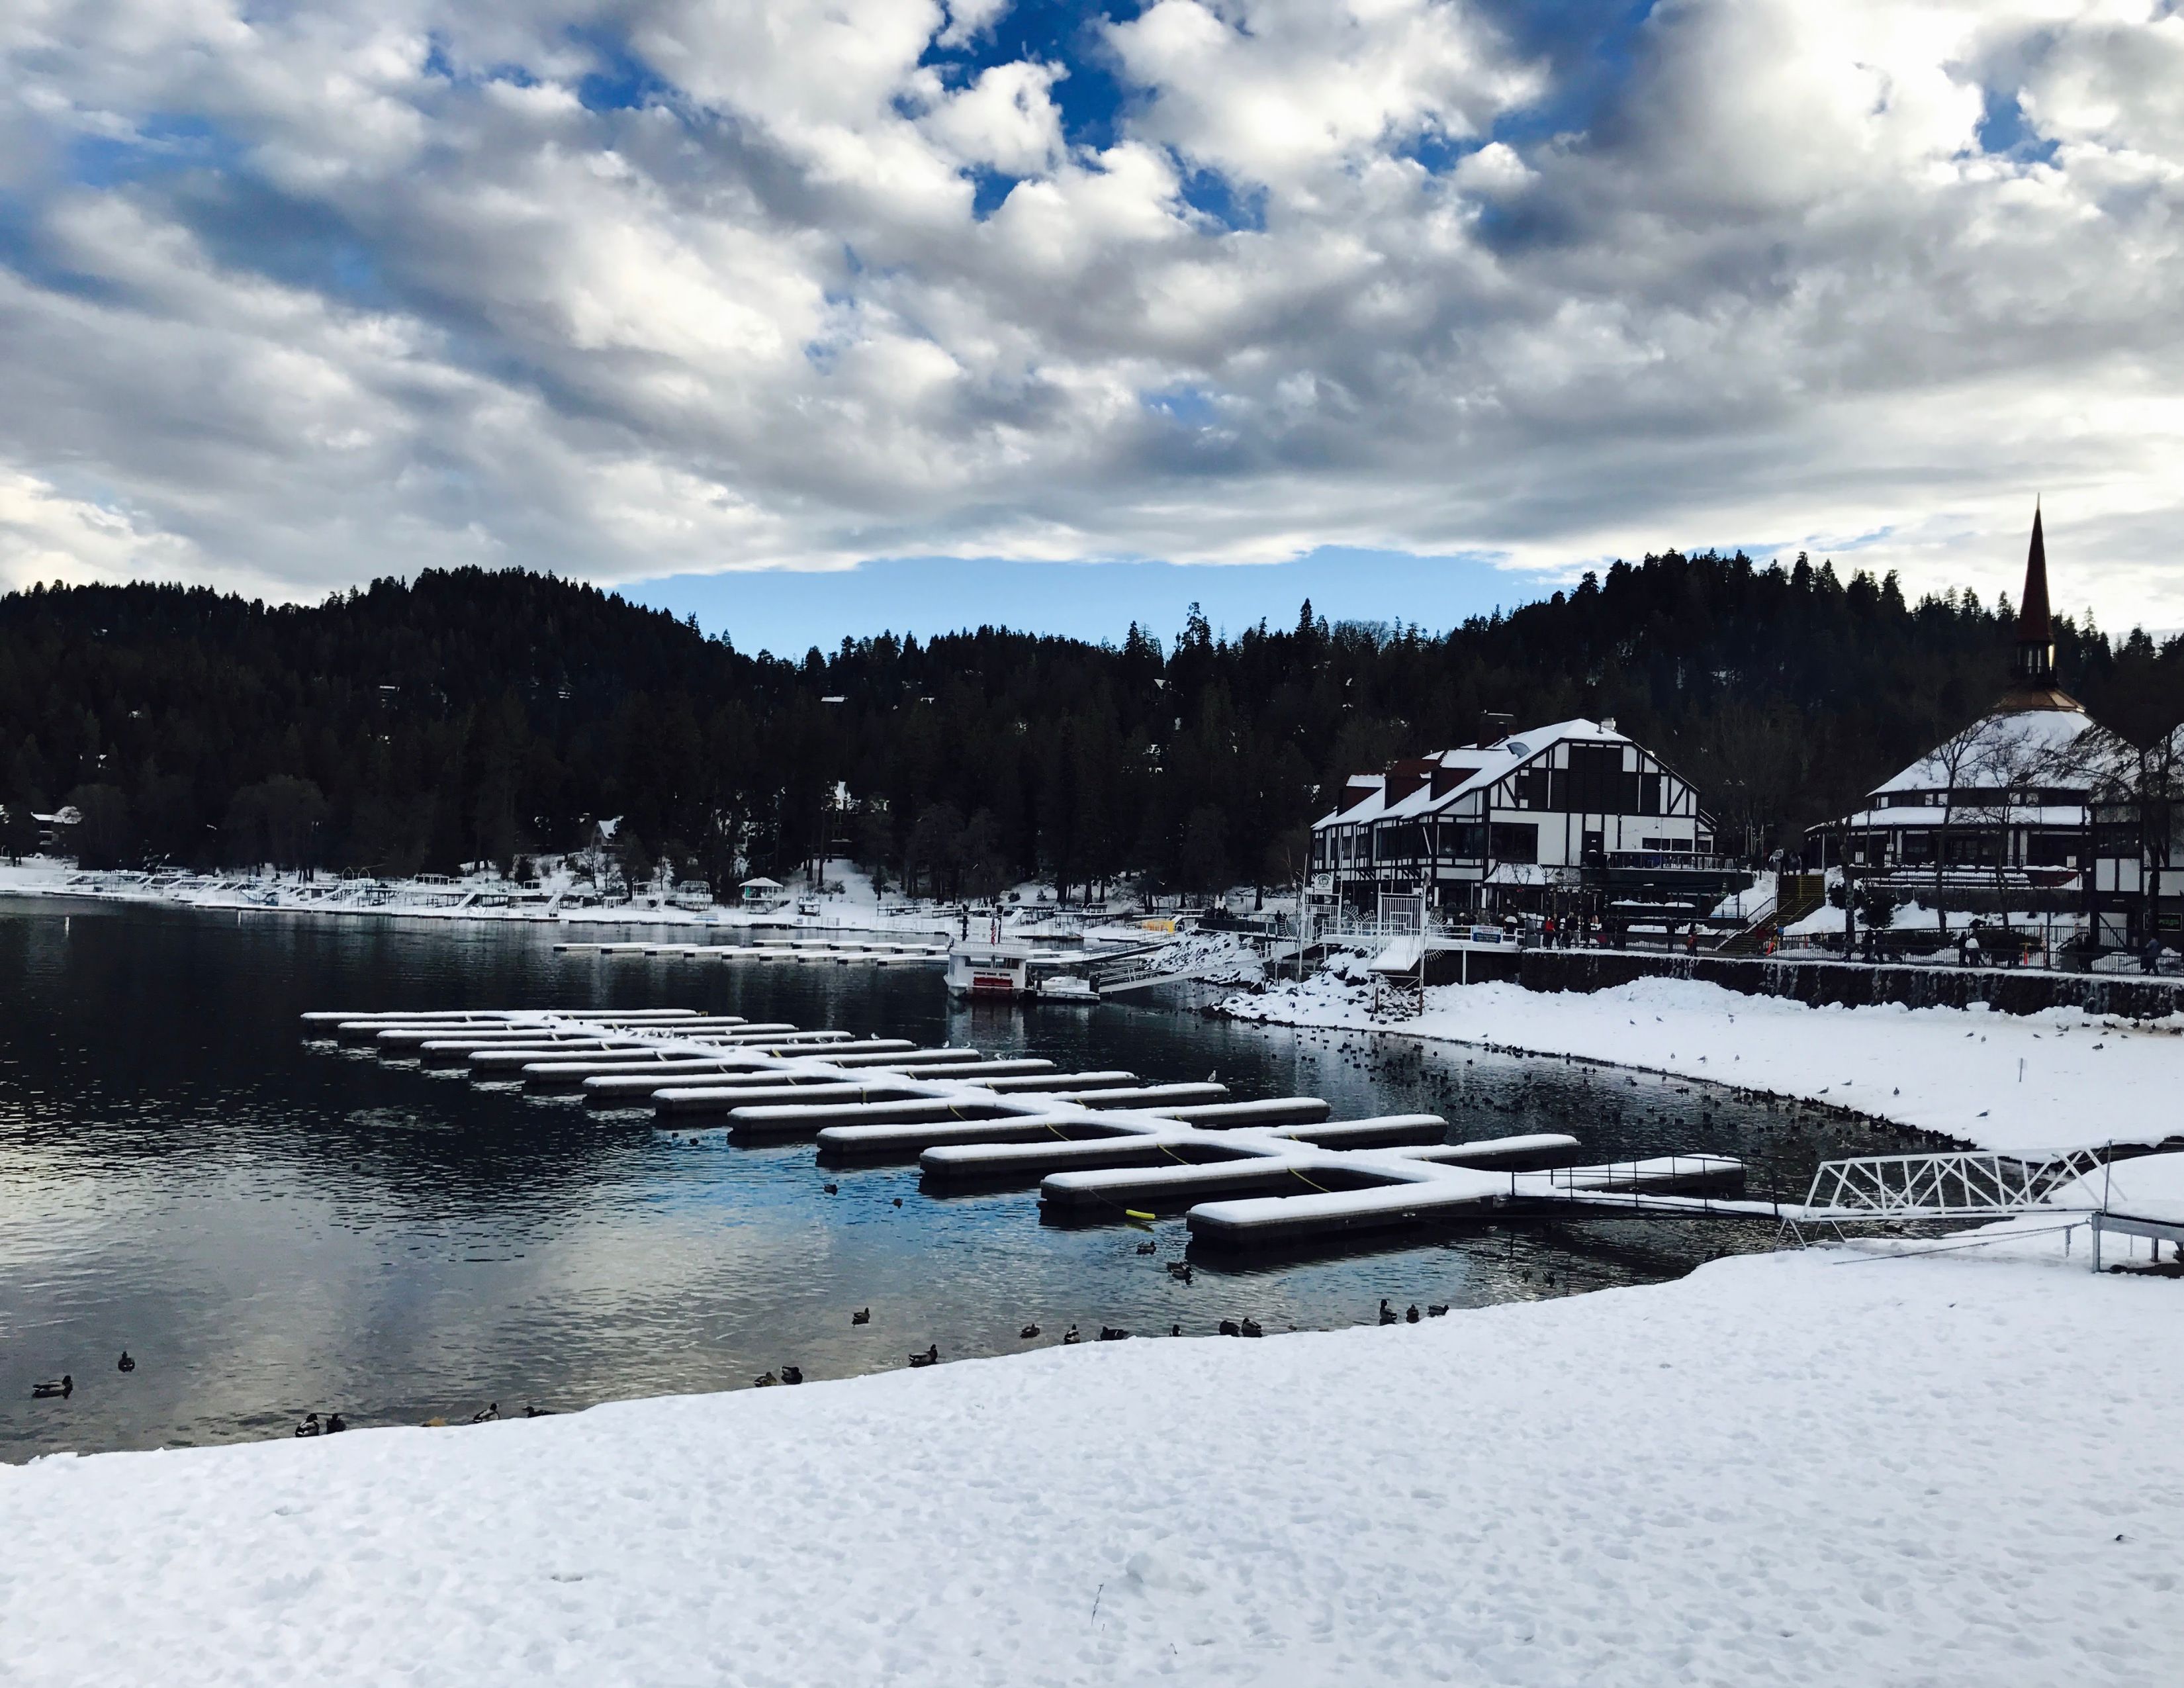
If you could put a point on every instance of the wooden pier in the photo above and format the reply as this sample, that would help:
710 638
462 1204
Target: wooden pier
1101 1146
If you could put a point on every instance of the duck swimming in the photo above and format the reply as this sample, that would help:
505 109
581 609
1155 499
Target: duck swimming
1028 1333
1440 1312
931 1356
1387 1312
486 1416
1230 1327
792 1375
765 1380
1411 1314
336 1423
1070 1335
310 1426
63 1388
1108 1332
1252 1327
126 1364
862 1315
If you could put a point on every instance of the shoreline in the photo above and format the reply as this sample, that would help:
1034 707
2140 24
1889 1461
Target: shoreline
2059 1079
1661 1497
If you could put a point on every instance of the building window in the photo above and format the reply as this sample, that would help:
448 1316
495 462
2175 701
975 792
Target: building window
2115 841
1649 794
1516 841
1465 841
1596 784
1400 843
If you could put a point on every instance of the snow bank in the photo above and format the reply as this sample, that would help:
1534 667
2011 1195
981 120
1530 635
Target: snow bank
1821 1468
2147 1187
2054 1080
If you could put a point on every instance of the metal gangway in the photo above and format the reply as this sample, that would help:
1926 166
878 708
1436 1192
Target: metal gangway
1969 1183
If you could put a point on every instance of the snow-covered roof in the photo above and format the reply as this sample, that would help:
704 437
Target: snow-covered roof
2052 747
1488 763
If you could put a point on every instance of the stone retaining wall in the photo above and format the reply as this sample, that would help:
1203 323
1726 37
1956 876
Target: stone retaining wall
1851 983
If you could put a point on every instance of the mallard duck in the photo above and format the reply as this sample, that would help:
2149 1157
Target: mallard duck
765 1380
1252 1327
63 1388
1070 1336
310 1426
125 1364
1028 1333
898 1201
1387 1312
792 1375
1411 1314
1230 1327
491 1412
1108 1332
538 1412
1179 1269
931 1356
336 1423
1148 1248
1440 1311
831 1188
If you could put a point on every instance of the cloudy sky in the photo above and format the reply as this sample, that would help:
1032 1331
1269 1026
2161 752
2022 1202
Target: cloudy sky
1436 296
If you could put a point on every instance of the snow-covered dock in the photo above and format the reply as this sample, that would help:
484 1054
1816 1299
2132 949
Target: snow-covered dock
1090 1140
1261 1173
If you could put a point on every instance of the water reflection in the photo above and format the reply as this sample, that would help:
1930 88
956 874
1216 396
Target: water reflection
272 1228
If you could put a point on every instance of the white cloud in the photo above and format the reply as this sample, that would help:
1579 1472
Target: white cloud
1006 120
297 297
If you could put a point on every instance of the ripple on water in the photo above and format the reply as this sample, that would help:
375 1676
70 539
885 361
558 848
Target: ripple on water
272 1226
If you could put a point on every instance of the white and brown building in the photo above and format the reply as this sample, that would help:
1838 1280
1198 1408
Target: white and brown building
1516 824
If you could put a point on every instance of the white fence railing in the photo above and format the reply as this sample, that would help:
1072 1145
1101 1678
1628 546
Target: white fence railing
1970 1185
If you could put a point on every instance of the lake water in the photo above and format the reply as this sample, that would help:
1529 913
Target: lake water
270 1226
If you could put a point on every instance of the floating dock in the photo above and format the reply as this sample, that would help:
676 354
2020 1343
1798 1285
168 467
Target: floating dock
1247 1173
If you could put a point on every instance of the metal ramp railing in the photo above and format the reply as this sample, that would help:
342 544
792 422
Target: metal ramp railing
1964 1184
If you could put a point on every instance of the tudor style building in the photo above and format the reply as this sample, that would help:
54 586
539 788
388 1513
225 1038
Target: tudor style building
1505 826
1998 817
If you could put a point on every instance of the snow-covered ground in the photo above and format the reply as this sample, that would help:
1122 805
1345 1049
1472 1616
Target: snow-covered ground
1959 1470
855 905
2053 1080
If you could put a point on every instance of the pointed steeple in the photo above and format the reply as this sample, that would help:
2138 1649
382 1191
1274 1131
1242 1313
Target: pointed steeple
2033 672
2035 632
